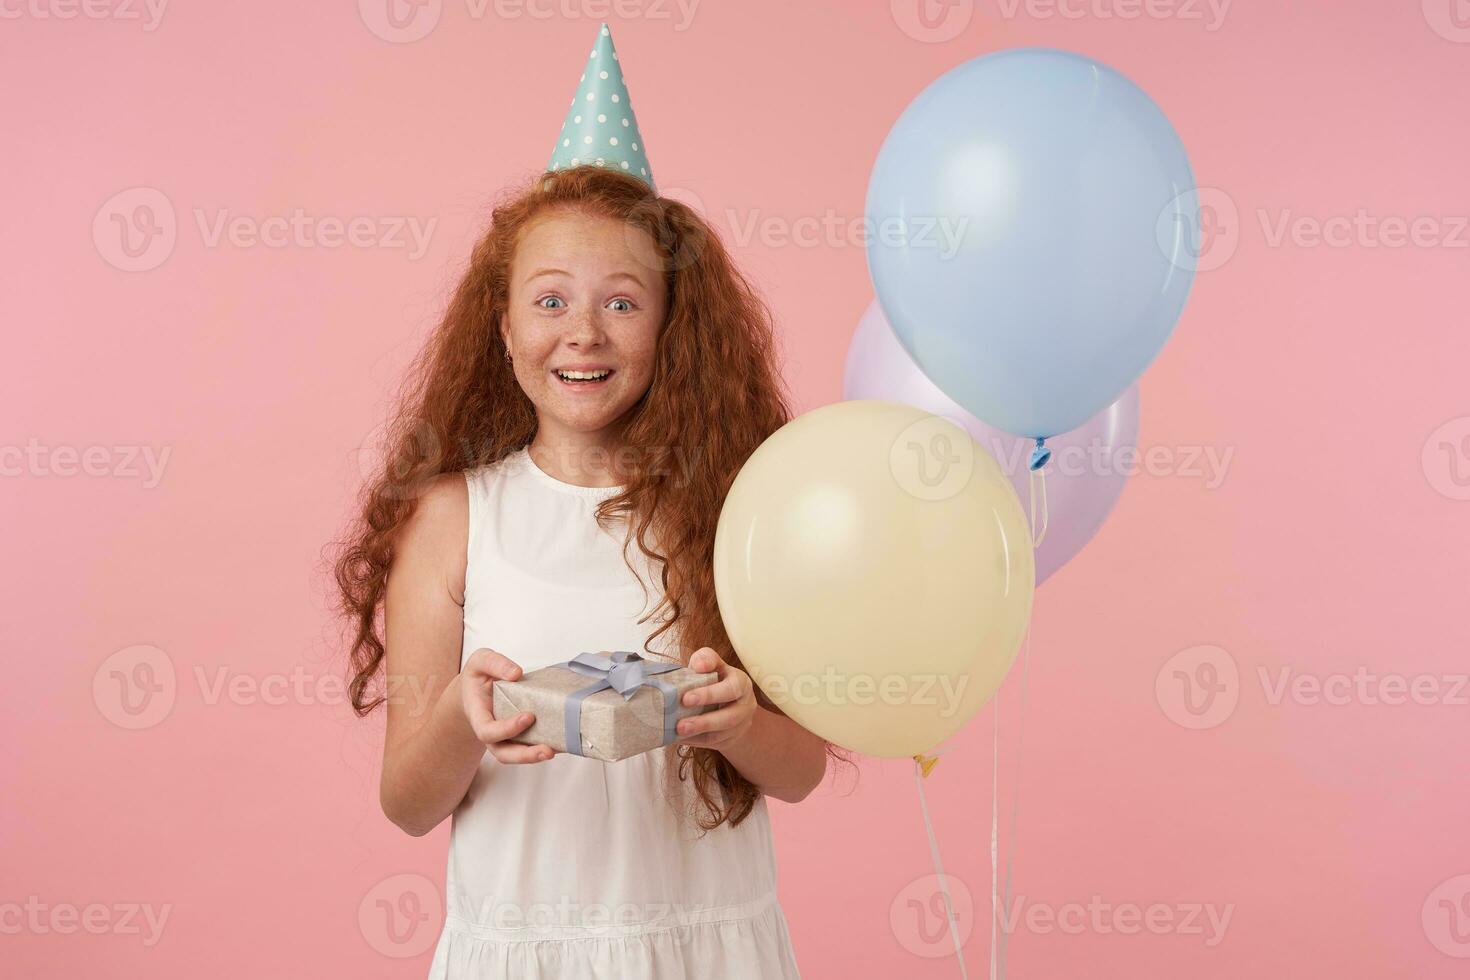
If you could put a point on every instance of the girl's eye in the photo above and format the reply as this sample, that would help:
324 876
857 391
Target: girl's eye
556 303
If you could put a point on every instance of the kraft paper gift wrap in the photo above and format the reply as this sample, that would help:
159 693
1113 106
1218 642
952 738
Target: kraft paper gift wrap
608 705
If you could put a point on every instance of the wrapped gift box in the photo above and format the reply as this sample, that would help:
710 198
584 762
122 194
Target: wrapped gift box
608 705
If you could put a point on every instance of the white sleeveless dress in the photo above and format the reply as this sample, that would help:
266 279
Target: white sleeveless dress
576 868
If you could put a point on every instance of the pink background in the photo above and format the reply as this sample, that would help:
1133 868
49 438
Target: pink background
1332 374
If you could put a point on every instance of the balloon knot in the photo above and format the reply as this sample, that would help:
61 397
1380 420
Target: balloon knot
1040 455
926 763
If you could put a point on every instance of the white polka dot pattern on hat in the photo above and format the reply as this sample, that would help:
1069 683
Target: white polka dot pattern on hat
590 121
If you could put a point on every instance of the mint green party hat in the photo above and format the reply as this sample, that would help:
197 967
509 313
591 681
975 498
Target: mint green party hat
600 126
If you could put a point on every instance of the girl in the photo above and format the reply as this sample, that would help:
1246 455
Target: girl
554 478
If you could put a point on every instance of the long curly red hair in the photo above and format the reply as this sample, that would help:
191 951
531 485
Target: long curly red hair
716 394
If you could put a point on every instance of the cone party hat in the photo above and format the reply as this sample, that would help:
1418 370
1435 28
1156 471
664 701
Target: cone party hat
600 127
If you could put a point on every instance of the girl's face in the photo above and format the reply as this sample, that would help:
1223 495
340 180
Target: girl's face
586 296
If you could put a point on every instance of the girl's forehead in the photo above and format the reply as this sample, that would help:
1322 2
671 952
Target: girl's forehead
562 222
593 243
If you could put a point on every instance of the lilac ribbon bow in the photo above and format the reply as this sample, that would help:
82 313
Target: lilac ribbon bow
624 672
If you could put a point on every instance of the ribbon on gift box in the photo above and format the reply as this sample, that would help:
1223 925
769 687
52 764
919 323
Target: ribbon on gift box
624 672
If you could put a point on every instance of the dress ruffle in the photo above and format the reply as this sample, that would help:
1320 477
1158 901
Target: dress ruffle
748 942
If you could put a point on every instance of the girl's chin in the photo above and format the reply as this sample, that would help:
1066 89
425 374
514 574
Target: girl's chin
586 421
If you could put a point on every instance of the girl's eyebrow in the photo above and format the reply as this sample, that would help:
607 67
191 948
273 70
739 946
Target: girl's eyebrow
562 272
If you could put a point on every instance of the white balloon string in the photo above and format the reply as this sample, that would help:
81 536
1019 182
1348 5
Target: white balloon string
998 935
1038 532
1010 839
939 869
997 907
994 833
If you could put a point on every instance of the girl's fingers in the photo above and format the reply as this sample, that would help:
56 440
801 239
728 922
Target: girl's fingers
710 722
483 668
495 732
706 660
490 663
508 727
490 729
513 753
719 692
476 700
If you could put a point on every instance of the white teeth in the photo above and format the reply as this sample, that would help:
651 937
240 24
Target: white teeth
583 375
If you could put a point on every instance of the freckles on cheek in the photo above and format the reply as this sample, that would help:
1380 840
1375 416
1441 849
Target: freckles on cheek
642 369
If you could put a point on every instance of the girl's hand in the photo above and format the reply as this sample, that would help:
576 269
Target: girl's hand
734 690
480 672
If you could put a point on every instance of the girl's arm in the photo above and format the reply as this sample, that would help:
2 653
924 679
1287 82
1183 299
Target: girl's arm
780 757
432 749
783 759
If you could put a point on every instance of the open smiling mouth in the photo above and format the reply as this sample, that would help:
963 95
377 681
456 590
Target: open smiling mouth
597 378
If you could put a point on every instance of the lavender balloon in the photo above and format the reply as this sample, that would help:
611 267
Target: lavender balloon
1089 465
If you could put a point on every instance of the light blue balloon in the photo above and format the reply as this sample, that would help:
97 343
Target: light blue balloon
1033 233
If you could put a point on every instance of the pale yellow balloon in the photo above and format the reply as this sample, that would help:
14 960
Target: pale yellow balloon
874 570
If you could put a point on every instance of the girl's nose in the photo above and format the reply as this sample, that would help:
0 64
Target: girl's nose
586 328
